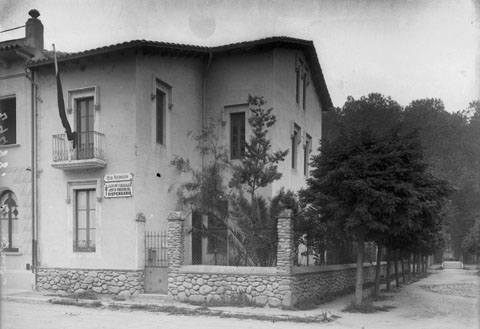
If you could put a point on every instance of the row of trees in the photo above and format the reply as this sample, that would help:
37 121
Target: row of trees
375 178
449 142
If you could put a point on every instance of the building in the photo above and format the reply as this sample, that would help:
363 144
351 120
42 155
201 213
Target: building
17 155
132 105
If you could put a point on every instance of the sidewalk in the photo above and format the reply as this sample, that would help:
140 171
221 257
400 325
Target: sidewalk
160 303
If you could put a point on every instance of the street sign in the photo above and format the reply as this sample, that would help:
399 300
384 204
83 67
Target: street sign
118 177
118 189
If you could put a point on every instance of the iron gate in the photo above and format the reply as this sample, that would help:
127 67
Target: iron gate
156 262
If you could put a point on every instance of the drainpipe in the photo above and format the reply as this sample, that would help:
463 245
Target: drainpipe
34 171
204 102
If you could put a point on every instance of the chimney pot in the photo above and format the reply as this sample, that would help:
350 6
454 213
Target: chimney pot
34 13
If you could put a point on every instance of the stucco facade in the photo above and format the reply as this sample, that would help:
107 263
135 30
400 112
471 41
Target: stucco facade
117 91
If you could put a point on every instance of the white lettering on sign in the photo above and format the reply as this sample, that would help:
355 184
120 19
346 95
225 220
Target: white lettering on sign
118 189
118 177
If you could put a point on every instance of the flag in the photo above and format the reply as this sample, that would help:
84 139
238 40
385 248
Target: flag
71 136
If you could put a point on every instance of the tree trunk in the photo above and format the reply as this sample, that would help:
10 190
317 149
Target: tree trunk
419 263
414 264
359 277
378 267
403 266
387 275
409 265
395 259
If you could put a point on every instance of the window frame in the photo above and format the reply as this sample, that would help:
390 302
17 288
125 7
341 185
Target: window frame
240 142
10 220
72 186
4 140
160 116
295 139
160 86
302 81
88 221
306 157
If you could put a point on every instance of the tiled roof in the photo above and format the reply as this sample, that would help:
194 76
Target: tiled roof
184 50
11 44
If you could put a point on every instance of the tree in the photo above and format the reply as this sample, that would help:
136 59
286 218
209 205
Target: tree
205 191
452 151
370 184
471 242
375 112
258 167
250 223
255 219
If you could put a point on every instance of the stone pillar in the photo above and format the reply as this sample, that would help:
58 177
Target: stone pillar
285 247
175 240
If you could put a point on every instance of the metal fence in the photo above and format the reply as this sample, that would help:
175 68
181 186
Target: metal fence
333 253
226 247
156 248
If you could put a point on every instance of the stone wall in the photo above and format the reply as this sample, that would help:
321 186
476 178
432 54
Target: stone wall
113 282
316 281
283 285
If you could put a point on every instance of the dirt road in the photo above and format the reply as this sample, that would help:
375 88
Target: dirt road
446 299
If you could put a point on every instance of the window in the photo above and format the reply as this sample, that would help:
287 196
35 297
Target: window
237 135
9 221
8 121
305 84
162 104
302 76
298 78
85 122
295 141
307 151
160 116
84 239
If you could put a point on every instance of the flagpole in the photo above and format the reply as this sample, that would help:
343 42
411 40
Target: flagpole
55 58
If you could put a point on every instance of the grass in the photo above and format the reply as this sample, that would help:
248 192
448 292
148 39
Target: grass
240 300
94 304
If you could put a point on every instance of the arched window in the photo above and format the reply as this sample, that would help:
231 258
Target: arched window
8 221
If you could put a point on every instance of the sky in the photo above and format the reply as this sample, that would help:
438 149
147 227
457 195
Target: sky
405 49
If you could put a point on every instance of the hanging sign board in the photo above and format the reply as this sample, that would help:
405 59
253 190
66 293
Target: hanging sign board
118 185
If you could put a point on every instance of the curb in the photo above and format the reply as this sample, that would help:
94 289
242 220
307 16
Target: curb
171 309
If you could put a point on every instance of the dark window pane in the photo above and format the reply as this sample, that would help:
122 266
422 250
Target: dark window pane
160 117
8 121
237 135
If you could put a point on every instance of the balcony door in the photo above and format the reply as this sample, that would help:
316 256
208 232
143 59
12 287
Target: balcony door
85 118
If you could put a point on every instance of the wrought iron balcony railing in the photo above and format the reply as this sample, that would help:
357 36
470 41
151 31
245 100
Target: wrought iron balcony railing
89 147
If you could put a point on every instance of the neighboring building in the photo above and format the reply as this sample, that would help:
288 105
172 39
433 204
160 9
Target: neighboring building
16 198
132 105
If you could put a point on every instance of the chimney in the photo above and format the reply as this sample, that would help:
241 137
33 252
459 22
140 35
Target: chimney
34 31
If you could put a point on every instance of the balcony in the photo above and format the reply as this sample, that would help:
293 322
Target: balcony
89 153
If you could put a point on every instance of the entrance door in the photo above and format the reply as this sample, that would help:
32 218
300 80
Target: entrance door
85 117
156 263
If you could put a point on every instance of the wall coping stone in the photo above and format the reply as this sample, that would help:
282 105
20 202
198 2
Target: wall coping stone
175 215
89 269
330 268
228 270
